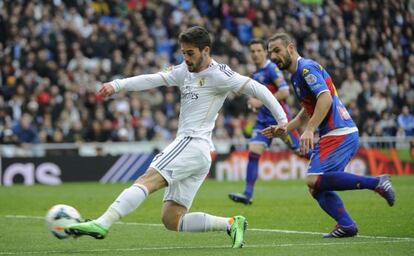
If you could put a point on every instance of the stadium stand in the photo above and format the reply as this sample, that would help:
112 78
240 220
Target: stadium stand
54 54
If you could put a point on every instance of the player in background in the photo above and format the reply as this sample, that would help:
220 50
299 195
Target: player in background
183 165
269 75
339 139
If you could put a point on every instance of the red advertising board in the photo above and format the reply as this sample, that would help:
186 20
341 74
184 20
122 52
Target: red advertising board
286 165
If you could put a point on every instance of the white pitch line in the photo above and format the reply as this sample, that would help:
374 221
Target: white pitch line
319 233
200 247
281 231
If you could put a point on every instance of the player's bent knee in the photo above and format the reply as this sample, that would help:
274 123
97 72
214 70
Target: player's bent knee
257 149
312 181
170 222
312 192
171 215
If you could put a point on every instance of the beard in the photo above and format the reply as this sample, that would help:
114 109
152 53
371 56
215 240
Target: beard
195 67
284 63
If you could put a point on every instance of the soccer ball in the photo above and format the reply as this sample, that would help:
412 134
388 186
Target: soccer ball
58 217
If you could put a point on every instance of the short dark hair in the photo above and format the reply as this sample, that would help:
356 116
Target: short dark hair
196 35
258 41
284 37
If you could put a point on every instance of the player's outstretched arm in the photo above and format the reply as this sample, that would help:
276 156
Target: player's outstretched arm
259 91
136 83
106 90
139 83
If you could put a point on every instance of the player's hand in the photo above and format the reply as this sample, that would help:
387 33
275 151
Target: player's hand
275 131
306 142
254 103
106 90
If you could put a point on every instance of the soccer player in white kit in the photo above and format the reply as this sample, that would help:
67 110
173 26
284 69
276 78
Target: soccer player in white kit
183 165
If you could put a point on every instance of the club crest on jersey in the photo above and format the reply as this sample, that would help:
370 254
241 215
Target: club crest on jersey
201 81
311 79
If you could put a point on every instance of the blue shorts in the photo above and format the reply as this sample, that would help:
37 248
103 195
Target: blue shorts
333 153
292 141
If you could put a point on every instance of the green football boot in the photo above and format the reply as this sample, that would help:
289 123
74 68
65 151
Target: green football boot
236 231
90 228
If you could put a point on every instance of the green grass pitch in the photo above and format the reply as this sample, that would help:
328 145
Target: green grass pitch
283 220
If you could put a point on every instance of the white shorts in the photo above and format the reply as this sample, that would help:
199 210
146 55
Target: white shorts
184 164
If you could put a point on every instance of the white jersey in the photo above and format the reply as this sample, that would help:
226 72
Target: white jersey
202 95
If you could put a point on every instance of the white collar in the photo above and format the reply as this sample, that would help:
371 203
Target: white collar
267 63
297 63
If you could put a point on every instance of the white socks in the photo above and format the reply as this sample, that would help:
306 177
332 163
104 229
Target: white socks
125 203
132 197
203 222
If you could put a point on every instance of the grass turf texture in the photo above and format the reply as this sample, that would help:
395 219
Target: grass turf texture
279 208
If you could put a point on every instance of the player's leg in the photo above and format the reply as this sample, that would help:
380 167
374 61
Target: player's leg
176 218
133 196
330 155
185 174
339 150
178 198
332 204
326 174
255 151
258 144
125 203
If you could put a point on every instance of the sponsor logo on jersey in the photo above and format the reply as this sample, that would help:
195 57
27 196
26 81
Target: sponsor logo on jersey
305 71
188 94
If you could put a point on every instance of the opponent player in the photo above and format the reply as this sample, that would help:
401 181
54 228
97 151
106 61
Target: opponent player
321 108
182 166
268 74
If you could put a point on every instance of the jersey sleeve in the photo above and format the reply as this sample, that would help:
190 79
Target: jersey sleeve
275 73
174 75
228 80
314 79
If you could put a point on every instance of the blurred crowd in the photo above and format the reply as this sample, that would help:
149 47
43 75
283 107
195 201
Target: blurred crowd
55 54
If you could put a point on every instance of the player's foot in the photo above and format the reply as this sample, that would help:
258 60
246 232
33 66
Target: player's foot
236 231
342 231
385 189
240 198
90 228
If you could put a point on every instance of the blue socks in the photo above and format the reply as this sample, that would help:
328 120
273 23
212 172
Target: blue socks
332 204
251 174
337 181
